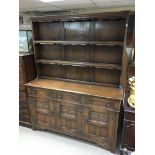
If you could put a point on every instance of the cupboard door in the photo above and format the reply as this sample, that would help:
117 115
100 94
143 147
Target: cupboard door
68 118
43 113
99 125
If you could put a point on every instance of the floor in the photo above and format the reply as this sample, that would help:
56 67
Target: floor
61 145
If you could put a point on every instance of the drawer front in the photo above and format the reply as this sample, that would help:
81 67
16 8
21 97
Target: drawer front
24 118
129 116
24 114
129 135
68 97
34 92
22 97
97 102
52 94
43 93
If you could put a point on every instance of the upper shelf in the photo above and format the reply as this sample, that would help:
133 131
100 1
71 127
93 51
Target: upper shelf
111 43
82 64
92 16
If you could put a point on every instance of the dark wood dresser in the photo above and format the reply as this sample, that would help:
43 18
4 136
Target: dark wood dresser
81 66
27 72
128 135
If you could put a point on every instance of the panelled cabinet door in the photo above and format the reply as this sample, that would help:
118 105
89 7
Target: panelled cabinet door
43 113
99 125
68 118
129 132
67 113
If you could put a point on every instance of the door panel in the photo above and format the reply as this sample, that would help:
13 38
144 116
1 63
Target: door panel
98 123
68 117
44 113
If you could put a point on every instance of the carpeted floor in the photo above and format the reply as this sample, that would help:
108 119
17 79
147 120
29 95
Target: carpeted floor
39 142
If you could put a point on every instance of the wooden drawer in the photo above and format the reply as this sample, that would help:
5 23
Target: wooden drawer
129 116
51 94
24 118
129 135
24 105
43 93
24 112
68 97
22 97
42 105
34 92
97 102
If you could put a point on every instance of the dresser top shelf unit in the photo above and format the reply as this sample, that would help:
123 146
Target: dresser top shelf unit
79 88
83 48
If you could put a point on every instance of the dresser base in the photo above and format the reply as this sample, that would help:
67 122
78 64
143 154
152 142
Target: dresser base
79 111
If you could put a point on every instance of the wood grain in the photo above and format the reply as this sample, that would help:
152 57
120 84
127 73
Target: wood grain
101 91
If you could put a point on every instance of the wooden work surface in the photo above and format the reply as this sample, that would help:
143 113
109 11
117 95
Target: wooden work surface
81 88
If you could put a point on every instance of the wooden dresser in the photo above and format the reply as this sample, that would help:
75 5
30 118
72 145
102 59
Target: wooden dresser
27 72
81 66
128 135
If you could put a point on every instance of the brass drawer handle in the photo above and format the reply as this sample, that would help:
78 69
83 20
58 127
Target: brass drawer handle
34 91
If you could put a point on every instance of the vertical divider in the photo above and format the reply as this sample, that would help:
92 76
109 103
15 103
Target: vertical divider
62 38
92 52
91 31
124 56
35 31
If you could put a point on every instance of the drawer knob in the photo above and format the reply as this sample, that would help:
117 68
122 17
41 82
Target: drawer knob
33 92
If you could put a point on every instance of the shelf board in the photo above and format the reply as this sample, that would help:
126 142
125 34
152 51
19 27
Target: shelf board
80 64
80 88
77 81
108 43
79 17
